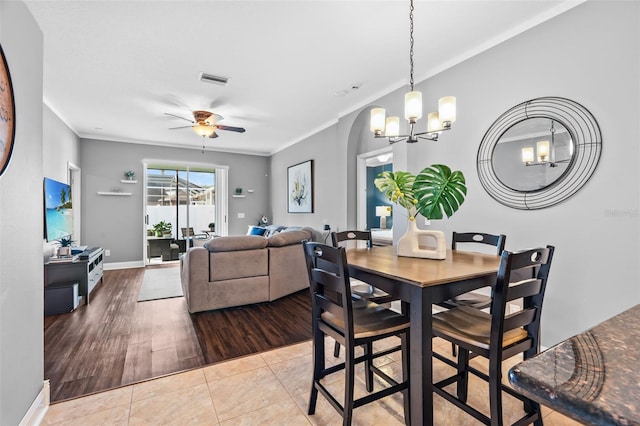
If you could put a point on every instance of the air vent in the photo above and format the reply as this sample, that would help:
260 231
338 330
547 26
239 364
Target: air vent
209 78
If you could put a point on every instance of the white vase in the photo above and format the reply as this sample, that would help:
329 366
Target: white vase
409 243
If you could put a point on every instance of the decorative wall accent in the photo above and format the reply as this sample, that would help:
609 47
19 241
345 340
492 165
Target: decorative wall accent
585 146
300 188
7 114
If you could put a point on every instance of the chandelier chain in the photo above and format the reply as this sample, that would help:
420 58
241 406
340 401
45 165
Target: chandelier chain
411 45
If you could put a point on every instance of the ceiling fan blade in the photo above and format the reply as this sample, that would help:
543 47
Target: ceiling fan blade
181 127
213 135
177 116
230 128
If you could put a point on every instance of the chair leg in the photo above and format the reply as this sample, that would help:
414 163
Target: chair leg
495 391
368 363
336 350
349 378
404 344
318 368
463 371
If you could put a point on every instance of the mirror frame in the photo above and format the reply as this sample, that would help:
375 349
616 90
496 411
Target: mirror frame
587 148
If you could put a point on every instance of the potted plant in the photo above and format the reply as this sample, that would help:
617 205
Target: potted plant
162 228
130 174
435 192
65 246
212 227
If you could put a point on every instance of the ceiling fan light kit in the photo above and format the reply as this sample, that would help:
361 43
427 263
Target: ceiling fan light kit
205 124
437 122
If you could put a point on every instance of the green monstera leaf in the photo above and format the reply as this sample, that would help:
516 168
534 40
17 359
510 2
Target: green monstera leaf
439 191
397 187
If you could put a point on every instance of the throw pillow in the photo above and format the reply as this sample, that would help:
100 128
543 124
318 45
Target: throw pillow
256 230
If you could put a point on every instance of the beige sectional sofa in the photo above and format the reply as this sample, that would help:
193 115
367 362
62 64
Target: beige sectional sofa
239 270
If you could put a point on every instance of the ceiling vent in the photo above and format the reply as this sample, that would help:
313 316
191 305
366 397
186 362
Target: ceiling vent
209 78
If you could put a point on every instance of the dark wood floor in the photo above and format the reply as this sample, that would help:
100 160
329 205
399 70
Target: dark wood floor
117 341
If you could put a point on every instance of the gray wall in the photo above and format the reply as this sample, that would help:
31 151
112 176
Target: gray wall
21 270
116 223
592 52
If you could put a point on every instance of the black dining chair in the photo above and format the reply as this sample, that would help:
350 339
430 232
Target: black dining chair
360 289
333 315
497 336
473 298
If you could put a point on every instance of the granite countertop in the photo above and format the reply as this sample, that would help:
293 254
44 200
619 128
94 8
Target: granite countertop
593 377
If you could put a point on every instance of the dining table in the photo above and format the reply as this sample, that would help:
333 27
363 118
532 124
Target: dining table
419 283
592 377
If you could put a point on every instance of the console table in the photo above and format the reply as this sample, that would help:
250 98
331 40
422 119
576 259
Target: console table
86 269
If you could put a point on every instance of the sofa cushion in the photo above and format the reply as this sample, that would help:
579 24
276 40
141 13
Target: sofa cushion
238 264
236 243
289 237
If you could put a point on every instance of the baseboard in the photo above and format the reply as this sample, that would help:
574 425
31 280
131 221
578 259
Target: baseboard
35 414
123 265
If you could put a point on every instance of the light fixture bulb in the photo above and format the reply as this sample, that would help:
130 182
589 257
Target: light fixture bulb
392 128
433 122
204 130
543 150
447 109
413 106
377 120
527 154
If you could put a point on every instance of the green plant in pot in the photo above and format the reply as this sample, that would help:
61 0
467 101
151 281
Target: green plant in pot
161 228
434 193
65 246
212 227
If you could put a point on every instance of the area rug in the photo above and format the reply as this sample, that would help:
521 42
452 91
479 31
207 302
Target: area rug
160 283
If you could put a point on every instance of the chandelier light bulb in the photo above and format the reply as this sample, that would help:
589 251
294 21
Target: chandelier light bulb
377 120
413 106
447 109
433 122
543 150
527 154
392 128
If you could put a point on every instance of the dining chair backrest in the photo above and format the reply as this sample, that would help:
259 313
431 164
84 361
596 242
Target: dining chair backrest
498 241
510 285
343 238
329 284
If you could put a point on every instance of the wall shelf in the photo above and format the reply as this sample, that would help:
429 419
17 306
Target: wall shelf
114 193
128 181
238 196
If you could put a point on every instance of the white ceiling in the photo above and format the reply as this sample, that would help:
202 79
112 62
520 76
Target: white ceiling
113 68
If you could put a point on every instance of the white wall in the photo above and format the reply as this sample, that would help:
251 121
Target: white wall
588 54
21 218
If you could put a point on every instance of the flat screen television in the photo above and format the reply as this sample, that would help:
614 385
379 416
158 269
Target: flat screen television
58 217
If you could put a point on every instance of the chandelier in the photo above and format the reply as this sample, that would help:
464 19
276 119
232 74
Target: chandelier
437 122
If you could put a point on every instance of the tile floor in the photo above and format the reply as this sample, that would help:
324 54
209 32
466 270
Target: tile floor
270 388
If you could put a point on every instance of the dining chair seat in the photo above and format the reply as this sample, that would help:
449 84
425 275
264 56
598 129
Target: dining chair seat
473 327
370 320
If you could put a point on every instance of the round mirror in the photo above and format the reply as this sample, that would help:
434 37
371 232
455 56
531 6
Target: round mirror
539 153
532 154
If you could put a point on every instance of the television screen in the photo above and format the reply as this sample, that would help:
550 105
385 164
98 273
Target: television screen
58 217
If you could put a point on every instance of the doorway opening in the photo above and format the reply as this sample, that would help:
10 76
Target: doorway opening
374 210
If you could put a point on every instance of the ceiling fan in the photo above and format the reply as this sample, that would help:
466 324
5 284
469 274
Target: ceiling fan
205 124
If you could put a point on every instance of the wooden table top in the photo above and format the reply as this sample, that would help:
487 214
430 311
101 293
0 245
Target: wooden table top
458 265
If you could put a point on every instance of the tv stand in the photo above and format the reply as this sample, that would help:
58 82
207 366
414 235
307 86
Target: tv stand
86 269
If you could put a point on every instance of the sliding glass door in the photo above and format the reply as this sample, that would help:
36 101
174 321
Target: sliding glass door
185 199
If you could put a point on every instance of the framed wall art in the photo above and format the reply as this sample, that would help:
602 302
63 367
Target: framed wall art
7 114
300 188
